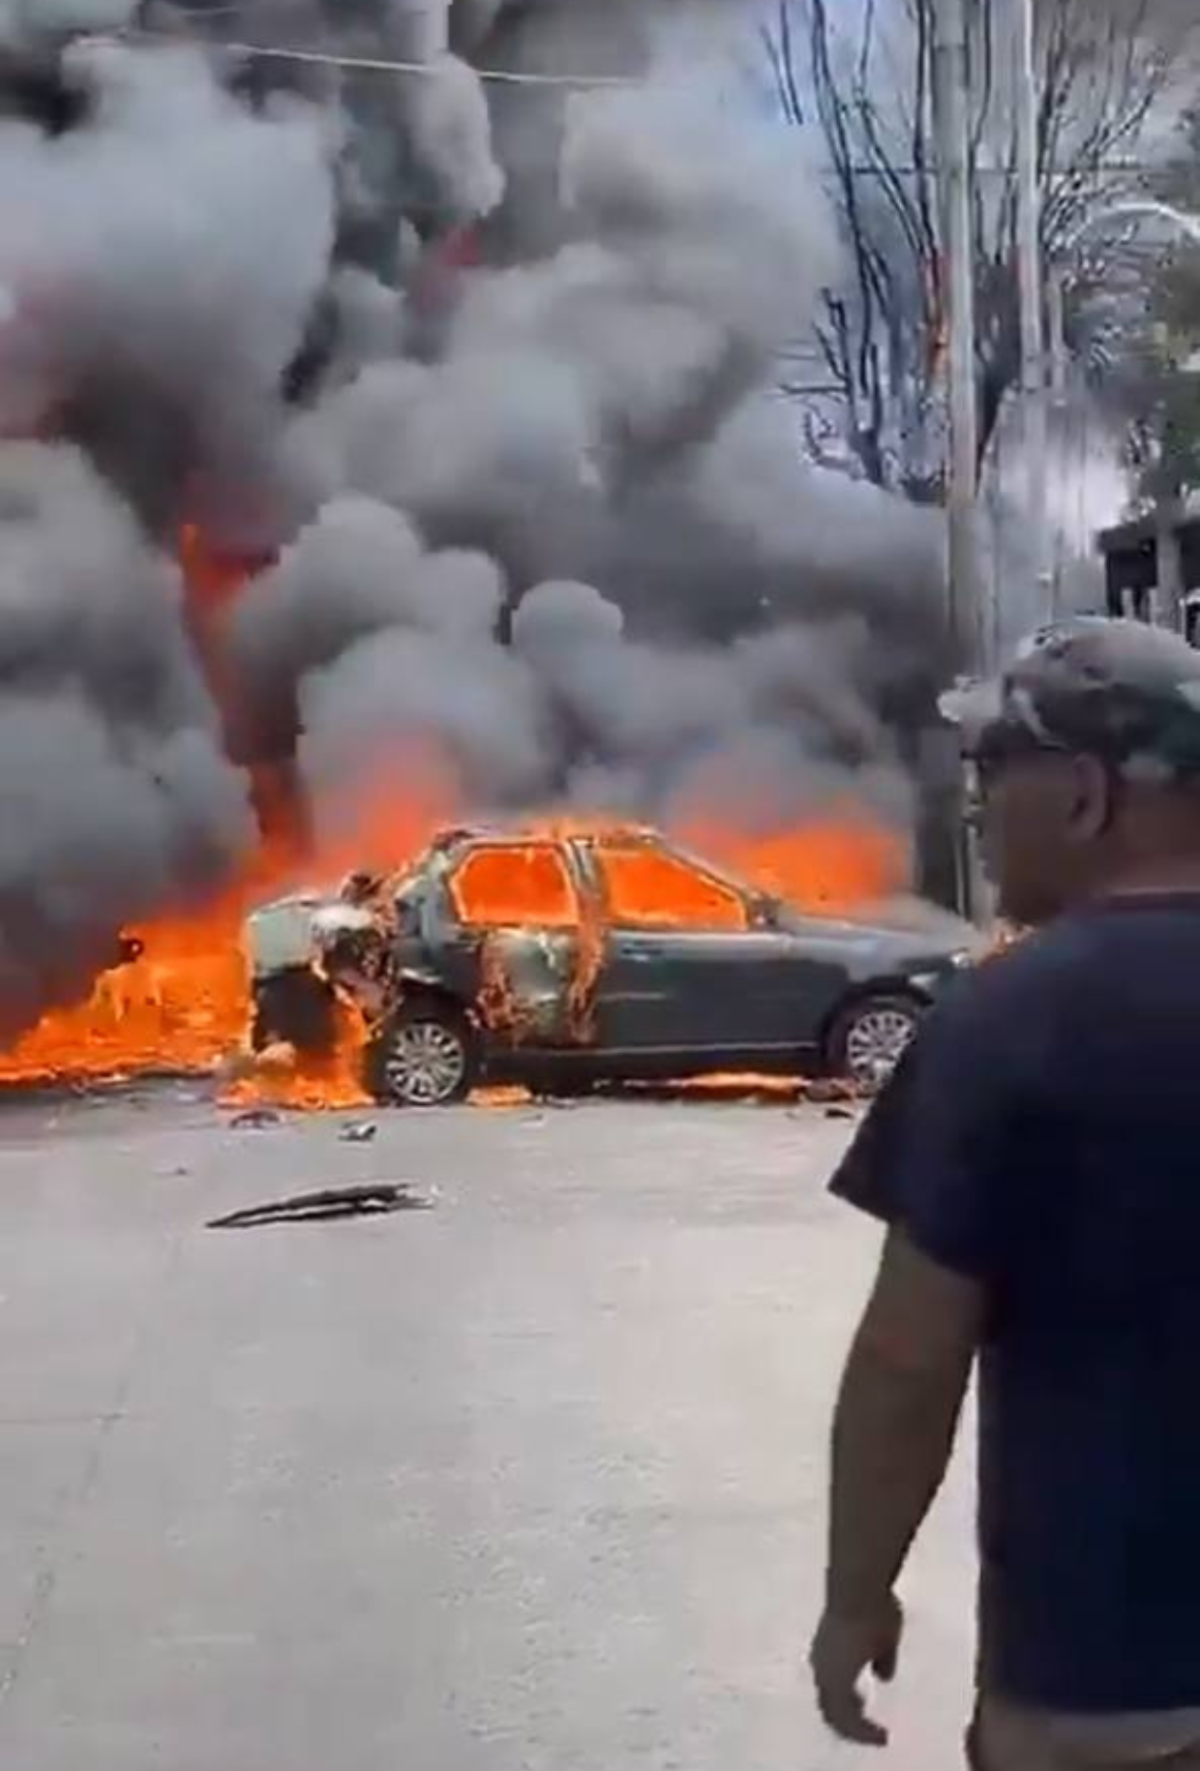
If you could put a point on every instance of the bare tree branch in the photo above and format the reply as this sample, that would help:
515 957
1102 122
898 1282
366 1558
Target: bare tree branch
778 45
883 337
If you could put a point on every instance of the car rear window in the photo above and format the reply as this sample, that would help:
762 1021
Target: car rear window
647 888
527 883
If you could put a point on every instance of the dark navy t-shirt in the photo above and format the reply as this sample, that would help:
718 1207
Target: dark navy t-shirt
1043 1137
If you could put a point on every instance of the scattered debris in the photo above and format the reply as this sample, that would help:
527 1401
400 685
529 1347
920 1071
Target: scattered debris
838 1113
501 1095
359 1131
255 1119
823 1091
375 1200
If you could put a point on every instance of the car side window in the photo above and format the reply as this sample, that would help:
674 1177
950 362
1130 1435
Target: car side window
648 888
502 886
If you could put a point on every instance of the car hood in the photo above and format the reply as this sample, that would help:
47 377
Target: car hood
890 936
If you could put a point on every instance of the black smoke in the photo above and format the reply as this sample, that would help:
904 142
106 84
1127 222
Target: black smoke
493 386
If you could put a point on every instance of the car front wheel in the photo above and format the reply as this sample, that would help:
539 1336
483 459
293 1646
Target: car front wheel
297 1007
870 1037
424 1057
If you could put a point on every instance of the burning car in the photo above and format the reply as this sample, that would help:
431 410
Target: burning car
587 955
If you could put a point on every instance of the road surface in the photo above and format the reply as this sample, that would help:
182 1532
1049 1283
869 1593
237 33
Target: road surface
531 1480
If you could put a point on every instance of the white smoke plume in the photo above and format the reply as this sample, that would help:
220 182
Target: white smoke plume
452 138
538 517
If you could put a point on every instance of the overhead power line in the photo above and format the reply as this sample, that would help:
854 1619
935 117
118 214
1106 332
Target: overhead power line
579 82
380 65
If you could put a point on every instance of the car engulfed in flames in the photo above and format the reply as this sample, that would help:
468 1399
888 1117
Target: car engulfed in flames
577 955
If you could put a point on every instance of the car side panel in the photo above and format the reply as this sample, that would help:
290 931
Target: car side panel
638 994
697 992
794 985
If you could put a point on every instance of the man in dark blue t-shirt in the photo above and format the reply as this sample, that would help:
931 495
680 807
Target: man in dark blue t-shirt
1036 1160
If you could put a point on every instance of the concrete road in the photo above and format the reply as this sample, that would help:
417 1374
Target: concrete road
532 1480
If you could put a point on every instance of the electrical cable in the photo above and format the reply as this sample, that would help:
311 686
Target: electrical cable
382 65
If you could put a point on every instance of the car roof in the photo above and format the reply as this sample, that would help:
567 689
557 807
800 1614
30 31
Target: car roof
552 831
572 833
451 843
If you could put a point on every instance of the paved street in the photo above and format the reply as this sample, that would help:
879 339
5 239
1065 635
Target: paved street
532 1480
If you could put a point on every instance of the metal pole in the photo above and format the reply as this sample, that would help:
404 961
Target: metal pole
419 29
1056 307
1056 341
1034 414
970 633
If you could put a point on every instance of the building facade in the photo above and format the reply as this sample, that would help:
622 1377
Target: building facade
1152 569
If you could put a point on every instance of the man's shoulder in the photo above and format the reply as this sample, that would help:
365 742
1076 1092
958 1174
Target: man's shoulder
1014 980
1063 953
1012 1008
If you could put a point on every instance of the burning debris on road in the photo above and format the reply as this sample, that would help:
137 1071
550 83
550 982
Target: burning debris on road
329 516
329 1205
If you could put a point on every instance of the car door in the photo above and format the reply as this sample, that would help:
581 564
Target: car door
686 970
512 941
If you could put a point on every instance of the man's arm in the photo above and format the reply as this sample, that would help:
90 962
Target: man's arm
898 1411
893 1432
934 1161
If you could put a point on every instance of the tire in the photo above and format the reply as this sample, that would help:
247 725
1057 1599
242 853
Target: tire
427 1055
296 1007
869 1036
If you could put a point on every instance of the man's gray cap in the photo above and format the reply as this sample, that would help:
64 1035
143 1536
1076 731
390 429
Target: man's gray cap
1119 690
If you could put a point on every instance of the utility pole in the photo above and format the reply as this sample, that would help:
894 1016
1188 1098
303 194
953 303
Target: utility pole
971 624
971 633
1034 412
420 29
1056 322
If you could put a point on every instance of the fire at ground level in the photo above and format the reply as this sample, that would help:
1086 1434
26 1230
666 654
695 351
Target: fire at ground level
533 1478
184 1004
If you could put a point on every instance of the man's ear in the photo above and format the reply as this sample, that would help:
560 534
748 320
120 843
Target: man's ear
1092 798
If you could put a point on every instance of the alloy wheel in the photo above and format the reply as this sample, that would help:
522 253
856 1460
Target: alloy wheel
876 1040
426 1064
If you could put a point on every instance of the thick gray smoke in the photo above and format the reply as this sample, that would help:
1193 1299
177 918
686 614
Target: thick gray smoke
140 315
540 524
145 313
596 425
115 795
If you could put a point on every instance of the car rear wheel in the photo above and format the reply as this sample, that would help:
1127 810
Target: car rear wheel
425 1057
871 1035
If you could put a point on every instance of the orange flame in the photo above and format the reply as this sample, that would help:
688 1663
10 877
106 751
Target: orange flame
185 1004
281 1077
838 863
181 1006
